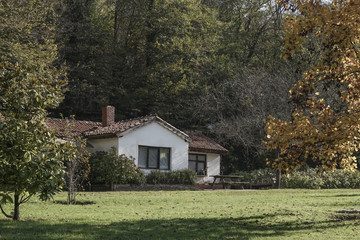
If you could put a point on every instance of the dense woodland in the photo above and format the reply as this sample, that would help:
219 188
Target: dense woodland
210 65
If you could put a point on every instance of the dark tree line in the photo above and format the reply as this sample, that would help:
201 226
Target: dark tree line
210 65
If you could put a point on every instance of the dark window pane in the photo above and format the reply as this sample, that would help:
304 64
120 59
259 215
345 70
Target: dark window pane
201 167
164 158
197 163
142 157
153 157
192 165
192 157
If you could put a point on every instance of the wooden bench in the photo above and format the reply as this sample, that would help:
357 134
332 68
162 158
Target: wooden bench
263 182
229 180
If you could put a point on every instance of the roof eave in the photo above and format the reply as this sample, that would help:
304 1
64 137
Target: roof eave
206 150
101 136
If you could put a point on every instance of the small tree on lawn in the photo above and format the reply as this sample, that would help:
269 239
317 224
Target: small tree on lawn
77 168
325 124
31 159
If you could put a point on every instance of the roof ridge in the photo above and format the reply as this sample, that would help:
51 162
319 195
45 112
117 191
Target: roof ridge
171 126
136 118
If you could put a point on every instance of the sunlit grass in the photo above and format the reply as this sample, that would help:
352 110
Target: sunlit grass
235 214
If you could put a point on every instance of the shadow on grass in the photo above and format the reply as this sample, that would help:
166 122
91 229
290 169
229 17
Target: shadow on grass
193 228
76 203
336 196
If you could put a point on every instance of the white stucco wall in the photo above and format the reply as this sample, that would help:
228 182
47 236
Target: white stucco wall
102 144
155 135
212 164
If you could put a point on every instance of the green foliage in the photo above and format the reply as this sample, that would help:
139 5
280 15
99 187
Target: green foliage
77 169
341 179
155 50
96 176
303 179
110 168
310 178
31 158
255 174
186 177
27 30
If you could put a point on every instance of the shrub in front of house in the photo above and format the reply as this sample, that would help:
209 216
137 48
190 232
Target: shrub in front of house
110 168
183 177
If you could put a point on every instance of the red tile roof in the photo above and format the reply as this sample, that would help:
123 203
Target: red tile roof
74 126
121 128
201 143
198 142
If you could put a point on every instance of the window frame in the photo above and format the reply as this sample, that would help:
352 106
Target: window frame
197 161
158 157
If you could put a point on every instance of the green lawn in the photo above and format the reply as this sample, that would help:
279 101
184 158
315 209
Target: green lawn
230 214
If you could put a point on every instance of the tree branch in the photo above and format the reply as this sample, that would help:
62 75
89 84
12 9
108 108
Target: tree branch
6 215
23 200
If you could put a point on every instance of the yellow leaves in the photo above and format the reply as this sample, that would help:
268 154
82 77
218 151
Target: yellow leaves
317 131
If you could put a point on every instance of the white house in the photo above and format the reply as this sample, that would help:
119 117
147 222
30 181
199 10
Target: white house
151 141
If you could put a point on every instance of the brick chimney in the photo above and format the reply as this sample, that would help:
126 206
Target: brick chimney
108 116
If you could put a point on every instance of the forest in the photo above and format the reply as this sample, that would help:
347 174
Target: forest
210 65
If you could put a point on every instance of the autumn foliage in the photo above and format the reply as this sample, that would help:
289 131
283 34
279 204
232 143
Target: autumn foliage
325 125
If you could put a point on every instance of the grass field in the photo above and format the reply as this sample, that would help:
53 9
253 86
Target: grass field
230 214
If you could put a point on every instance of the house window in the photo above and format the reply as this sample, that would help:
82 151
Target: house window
197 163
154 157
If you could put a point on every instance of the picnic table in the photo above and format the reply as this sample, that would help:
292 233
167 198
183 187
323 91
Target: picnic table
229 180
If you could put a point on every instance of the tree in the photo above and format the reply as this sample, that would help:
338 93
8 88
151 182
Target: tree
154 50
324 128
77 169
249 81
237 107
28 35
31 160
252 33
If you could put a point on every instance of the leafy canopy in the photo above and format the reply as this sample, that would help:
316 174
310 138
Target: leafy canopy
31 160
325 125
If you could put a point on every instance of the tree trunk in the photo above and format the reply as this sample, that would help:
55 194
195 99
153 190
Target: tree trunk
16 215
278 174
278 179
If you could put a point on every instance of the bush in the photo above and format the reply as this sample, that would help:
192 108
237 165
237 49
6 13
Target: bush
310 178
110 168
255 174
303 179
341 179
185 177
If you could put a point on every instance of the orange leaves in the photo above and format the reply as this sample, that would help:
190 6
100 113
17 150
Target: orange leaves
319 132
